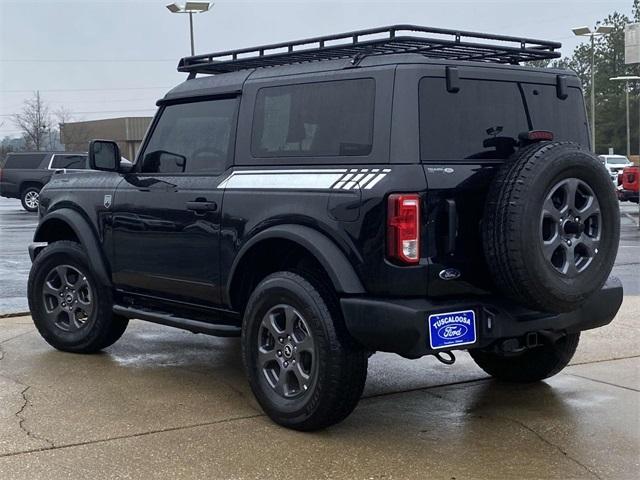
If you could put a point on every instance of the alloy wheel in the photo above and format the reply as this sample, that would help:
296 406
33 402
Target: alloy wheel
287 355
68 298
32 199
570 226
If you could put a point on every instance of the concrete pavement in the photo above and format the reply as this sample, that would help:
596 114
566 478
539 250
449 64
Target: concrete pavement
163 403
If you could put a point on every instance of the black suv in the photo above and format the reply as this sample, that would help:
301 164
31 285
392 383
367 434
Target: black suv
403 189
22 175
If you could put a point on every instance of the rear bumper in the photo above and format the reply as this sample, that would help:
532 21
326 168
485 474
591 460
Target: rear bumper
626 195
400 326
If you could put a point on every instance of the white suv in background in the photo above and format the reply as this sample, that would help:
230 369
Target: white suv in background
614 165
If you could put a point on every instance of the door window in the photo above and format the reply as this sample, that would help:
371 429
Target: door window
69 161
192 137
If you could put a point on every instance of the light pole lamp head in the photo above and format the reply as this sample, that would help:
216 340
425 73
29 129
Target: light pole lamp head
604 29
190 7
581 31
197 7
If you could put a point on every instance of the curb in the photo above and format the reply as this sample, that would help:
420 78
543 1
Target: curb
15 314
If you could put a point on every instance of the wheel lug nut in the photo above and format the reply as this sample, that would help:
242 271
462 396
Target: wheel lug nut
569 242
288 337
281 340
286 364
279 353
64 304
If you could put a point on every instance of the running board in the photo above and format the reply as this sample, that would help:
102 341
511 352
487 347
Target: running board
170 320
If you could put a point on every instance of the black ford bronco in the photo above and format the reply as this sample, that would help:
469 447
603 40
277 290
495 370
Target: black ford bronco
403 189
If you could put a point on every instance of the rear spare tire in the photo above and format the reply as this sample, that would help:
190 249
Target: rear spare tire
551 226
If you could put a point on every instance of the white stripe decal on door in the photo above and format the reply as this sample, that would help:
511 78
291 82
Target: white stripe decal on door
304 179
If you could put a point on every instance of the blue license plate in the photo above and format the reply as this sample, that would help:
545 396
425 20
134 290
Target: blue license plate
452 329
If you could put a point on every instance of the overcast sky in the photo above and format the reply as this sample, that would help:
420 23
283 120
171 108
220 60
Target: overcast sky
104 59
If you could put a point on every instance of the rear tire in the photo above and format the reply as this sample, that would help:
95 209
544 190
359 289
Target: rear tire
532 365
30 199
70 308
305 370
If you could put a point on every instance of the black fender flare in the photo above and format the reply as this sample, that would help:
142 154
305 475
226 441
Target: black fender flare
333 260
86 236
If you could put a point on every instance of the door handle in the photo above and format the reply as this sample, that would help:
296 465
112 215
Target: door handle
202 206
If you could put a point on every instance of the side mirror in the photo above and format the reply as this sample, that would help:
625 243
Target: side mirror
104 155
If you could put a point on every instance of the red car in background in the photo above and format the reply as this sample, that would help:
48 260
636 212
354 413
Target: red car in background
629 181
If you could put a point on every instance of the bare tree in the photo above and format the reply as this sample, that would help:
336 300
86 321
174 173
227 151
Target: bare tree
63 115
34 121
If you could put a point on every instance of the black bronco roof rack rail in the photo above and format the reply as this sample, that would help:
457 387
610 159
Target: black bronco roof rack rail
438 43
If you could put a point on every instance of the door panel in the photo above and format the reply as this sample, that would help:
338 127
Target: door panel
162 246
166 219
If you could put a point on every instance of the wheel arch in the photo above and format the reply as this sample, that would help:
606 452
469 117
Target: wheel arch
67 224
300 244
29 183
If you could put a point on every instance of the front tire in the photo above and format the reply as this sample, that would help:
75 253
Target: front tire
30 199
70 308
533 364
305 370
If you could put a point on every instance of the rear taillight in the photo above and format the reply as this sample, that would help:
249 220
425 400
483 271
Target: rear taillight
403 228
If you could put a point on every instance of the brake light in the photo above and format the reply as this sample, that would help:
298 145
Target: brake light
403 228
535 136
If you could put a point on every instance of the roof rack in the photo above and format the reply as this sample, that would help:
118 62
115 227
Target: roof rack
430 42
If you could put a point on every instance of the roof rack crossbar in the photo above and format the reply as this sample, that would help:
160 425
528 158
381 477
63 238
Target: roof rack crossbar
431 42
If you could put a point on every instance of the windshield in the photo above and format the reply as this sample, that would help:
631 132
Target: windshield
617 160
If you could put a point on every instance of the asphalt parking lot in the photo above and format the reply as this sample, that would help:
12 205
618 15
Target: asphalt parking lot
166 403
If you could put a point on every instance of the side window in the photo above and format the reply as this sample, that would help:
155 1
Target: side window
69 161
192 137
314 119
25 160
480 121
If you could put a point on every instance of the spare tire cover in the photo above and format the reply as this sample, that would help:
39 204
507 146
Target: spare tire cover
551 226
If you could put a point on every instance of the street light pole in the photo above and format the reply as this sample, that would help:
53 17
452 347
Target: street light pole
191 33
190 8
593 93
628 79
586 32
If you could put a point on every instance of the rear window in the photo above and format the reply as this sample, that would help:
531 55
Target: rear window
24 160
483 119
69 161
564 117
314 119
